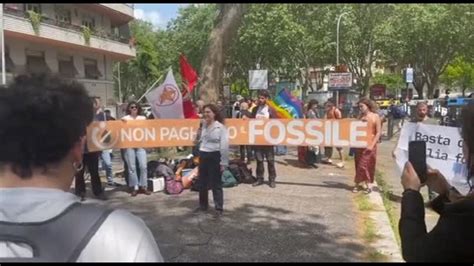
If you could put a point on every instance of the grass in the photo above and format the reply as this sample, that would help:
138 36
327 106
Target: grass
363 203
375 256
388 204
369 230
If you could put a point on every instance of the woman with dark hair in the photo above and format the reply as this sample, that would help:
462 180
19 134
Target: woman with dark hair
312 109
42 135
365 158
452 239
214 157
132 154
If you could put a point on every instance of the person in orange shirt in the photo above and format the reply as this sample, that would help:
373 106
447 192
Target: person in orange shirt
332 112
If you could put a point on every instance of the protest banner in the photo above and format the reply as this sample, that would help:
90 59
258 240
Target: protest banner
443 151
182 132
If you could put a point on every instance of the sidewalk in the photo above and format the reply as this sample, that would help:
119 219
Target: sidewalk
309 216
391 175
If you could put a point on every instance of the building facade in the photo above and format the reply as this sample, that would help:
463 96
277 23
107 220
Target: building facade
77 41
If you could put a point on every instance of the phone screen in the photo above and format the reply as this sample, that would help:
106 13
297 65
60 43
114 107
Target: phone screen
417 157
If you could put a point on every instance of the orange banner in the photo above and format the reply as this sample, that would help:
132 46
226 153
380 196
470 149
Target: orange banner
182 132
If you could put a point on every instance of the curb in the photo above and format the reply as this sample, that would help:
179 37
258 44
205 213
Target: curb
386 244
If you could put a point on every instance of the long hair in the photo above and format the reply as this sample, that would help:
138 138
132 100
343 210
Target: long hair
467 132
370 104
217 115
139 108
311 103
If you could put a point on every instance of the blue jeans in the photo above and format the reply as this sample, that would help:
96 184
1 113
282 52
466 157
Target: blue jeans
131 156
107 164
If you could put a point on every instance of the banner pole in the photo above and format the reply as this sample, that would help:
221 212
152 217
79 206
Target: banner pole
151 87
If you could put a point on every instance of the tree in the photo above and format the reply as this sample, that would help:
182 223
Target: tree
361 38
392 81
137 74
212 69
429 37
459 74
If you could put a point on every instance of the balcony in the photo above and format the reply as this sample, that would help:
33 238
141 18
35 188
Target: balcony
17 23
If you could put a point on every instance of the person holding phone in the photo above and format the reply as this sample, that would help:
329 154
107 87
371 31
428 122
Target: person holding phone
365 158
452 239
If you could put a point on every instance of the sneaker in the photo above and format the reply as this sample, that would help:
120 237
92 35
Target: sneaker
272 184
218 214
257 183
144 190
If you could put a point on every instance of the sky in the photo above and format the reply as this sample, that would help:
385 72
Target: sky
158 14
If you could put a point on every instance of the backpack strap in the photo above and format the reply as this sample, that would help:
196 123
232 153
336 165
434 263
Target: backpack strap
61 238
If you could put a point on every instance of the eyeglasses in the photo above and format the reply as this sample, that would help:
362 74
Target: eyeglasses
133 107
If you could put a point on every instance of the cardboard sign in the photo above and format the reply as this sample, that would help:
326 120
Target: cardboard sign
182 132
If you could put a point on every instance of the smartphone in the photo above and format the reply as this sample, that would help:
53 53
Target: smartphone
417 157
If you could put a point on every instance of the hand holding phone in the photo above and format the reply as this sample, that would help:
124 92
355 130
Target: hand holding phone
417 157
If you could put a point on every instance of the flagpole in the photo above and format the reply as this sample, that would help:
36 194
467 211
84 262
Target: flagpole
151 87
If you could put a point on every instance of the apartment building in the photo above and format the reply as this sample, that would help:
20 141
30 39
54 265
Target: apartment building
77 41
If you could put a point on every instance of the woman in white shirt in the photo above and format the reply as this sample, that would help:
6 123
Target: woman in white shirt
214 157
132 154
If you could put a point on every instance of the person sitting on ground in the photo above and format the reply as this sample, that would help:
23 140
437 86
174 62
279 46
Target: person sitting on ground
42 135
452 239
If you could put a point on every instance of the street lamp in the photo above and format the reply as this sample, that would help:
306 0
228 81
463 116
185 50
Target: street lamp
337 37
337 51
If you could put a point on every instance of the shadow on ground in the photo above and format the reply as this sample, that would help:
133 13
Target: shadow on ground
247 233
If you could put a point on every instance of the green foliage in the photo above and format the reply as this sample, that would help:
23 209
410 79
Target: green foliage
289 39
459 73
35 20
86 34
392 81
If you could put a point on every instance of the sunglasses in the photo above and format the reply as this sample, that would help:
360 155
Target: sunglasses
133 107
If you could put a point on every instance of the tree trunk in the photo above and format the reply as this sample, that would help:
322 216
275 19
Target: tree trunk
222 35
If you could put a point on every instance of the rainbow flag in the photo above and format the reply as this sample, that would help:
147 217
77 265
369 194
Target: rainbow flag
286 106
278 111
286 101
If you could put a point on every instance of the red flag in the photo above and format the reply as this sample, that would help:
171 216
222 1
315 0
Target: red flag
188 73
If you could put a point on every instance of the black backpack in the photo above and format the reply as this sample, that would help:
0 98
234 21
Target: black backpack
59 239
151 169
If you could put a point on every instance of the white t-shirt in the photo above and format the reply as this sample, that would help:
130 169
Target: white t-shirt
263 112
129 117
123 237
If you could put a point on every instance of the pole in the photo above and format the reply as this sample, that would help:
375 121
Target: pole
337 51
151 87
4 77
119 83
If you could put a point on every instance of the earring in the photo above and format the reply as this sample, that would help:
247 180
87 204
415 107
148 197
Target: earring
76 167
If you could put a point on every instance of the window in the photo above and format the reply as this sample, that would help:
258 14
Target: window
66 66
35 62
88 21
33 7
90 69
63 15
